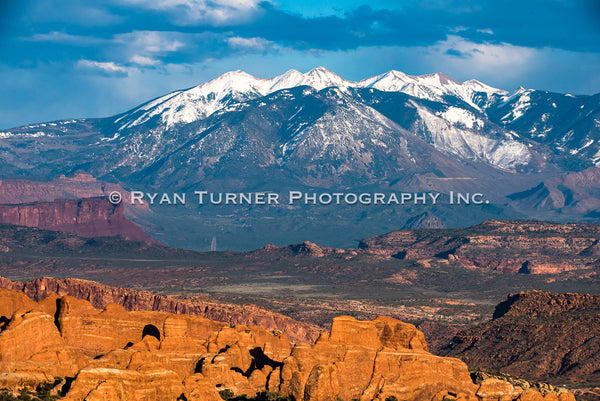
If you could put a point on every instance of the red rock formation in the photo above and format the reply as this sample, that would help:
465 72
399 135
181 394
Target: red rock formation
78 186
90 217
132 300
305 249
113 355
507 246
544 303
539 335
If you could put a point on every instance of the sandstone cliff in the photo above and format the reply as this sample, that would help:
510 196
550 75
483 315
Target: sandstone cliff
539 335
529 247
112 354
79 186
100 295
89 217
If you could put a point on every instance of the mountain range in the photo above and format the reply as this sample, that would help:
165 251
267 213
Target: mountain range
318 131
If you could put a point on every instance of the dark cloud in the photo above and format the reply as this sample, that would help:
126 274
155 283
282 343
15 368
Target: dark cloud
363 26
120 40
74 30
456 53
536 23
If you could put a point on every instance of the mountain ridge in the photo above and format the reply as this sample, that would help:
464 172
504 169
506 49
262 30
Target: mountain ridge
457 123
387 133
239 82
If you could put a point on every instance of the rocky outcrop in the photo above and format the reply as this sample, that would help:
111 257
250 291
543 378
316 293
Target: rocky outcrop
100 295
305 249
500 382
89 217
66 204
424 220
539 335
529 247
543 303
112 354
79 186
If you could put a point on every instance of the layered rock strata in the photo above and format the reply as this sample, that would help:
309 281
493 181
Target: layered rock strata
530 247
78 186
539 335
88 217
112 354
100 295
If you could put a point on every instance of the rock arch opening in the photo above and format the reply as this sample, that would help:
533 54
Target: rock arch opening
151 330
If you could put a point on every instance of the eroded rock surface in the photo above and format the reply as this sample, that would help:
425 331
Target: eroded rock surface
100 295
87 217
539 335
528 247
112 354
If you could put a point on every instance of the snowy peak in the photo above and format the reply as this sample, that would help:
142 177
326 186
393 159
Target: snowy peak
392 81
431 86
318 78
321 78
242 82
481 87
233 81
288 79
437 79
203 100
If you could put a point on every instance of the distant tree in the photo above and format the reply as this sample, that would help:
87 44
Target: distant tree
270 396
226 394
43 392
6 396
25 395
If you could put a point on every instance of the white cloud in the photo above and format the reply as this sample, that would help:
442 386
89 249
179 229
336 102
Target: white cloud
144 61
458 29
213 12
61 37
483 58
107 67
256 44
152 41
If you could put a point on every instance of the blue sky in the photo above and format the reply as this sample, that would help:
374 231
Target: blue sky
72 58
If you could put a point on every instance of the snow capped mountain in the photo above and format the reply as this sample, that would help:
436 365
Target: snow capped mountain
432 87
322 120
564 128
318 78
201 101
520 102
447 132
456 131
318 131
